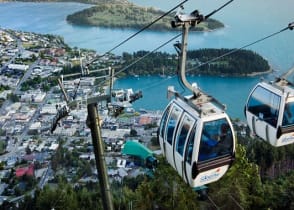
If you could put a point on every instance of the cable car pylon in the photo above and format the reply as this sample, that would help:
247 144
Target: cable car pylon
94 123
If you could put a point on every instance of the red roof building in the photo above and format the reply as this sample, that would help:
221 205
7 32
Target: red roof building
144 120
29 171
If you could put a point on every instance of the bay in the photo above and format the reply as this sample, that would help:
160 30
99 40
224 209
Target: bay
245 21
231 91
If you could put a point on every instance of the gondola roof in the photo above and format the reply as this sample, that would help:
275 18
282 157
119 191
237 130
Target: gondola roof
204 104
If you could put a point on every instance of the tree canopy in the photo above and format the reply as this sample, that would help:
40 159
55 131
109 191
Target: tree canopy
203 61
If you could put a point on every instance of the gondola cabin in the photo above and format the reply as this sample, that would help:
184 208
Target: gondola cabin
270 112
197 139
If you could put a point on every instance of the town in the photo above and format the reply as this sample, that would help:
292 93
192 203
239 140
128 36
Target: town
30 98
45 88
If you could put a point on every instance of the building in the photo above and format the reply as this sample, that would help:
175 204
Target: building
29 171
87 81
35 128
34 96
18 67
3 94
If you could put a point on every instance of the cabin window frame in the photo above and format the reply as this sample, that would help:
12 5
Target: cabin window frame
163 121
172 127
189 151
181 143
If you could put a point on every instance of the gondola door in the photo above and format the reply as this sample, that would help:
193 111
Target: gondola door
182 136
171 129
262 112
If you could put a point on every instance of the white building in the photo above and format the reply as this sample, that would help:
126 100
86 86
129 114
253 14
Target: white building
65 132
54 146
48 109
6 81
87 81
36 126
19 67
34 96
3 94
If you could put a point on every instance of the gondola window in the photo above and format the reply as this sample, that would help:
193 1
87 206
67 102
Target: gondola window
172 123
265 105
183 134
216 140
163 122
189 151
288 118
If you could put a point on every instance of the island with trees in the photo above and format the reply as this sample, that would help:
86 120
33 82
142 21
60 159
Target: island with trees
123 14
199 62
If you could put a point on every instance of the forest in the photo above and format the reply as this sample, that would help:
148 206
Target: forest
261 178
199 62
127 15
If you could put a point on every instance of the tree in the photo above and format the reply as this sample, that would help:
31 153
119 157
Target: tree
154 141
165 190
62 198
133 132
14 98
241 185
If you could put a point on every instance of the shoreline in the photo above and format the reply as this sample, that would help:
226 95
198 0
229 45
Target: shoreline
254 74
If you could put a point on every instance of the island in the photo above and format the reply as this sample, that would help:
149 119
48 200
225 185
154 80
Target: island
123 14
221 62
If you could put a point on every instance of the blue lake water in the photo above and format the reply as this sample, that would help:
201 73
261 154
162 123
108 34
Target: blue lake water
246 22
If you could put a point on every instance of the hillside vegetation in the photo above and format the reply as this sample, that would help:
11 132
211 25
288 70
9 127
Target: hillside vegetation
126 15
242 187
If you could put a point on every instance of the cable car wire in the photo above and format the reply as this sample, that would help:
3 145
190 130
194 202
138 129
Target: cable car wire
130 37
141 58
135 34
216 10
147 26
290 27
200 20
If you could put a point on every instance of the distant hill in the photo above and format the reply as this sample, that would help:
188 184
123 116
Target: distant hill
123 14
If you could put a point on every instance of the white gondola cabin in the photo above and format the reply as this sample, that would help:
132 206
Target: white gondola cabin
196 135
270 112
197 139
